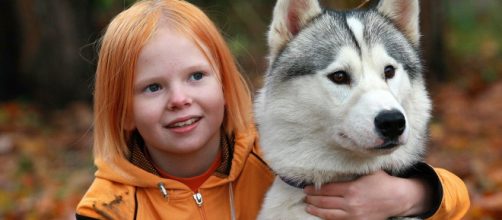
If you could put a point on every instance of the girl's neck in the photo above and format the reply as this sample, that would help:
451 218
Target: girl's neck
187 165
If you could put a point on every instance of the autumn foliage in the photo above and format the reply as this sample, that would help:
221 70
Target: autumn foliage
46 160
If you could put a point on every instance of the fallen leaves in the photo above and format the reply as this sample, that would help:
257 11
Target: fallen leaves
466 138
46 160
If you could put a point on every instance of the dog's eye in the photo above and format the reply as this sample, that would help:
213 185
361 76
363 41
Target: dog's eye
389 72
340 77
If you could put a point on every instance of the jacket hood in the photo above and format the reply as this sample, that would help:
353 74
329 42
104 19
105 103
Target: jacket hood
127 172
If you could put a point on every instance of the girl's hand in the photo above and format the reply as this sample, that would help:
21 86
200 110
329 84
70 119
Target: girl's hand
374 196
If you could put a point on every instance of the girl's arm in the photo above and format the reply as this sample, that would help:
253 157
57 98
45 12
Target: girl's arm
424 192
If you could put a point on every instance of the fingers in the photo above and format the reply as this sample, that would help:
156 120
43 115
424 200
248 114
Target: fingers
343 188
327 213
354 199
329 189
326 202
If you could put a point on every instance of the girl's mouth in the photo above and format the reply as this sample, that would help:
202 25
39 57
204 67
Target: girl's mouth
185 123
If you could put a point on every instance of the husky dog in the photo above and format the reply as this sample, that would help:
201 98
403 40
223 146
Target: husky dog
344 96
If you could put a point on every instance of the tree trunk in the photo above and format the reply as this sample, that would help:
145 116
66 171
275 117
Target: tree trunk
9 51
433 48
52 33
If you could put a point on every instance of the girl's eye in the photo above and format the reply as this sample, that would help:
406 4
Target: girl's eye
197 76
153 88
340 77
389 72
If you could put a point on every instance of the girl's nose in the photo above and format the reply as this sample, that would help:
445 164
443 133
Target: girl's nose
179 98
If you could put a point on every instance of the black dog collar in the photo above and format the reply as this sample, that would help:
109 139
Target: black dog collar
294 183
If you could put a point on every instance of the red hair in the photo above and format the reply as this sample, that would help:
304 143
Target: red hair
121 45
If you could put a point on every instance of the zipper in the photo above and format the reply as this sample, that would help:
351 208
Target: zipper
163 190
231 195
197 197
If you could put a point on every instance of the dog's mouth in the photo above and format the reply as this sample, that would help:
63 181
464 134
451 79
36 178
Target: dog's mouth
388 145
385 146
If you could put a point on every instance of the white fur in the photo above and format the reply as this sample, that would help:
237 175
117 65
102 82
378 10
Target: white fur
357 28
312 129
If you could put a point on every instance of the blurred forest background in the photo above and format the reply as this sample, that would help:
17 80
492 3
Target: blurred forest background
48 57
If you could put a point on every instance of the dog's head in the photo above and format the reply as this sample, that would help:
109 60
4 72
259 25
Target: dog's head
343 83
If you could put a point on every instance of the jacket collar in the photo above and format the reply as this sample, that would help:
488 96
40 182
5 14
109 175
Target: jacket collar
139 157
136 169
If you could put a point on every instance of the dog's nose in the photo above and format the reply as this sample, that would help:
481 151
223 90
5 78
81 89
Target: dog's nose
390 124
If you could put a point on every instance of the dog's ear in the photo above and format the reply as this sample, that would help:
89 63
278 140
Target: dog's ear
288 19
405 15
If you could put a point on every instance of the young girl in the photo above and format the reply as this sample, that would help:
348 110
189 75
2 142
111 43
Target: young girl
174 137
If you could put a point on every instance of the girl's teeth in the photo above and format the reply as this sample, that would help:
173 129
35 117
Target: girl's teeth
185 123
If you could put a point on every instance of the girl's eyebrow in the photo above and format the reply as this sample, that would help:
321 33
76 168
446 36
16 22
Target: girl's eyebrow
148 79
189 69
198 67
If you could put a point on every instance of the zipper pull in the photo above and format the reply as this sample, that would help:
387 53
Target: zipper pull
163 190
198 199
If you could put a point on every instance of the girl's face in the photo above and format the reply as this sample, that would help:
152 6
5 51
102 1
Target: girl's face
178 102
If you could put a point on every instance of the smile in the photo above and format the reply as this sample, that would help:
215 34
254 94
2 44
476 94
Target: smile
183 123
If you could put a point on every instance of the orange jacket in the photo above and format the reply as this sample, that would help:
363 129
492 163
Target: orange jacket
123 190
455 200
